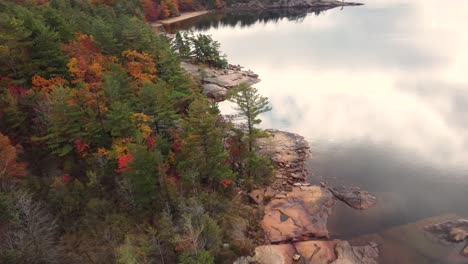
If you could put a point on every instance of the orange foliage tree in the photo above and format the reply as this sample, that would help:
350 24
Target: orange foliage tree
87 65
11 171
165 12
46 85
140 66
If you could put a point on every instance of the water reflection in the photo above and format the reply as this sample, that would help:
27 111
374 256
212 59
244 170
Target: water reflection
389 72
244 19
408 190
381 91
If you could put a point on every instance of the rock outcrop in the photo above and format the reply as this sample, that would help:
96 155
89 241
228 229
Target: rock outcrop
313 252
453 231
287 152
354 197
296 212
297 215
216 82
261 196
346 254
273 4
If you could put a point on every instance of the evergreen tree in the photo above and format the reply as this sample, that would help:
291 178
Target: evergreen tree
181 44
155 100
119 120
206 50
140 176
249 105
65 121
14 43
204 152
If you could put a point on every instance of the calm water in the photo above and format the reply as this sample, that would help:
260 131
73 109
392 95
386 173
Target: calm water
380 91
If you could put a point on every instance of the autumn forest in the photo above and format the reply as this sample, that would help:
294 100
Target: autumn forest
109 152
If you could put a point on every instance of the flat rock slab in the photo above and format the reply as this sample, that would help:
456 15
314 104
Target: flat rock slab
354 197
215 91
287 152
455 231
314 252
260 196
297 215
216 82
346 254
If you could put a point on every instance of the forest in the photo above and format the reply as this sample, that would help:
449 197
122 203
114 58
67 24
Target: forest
109 152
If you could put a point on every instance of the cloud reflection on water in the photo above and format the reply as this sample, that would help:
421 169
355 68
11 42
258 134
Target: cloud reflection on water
390 73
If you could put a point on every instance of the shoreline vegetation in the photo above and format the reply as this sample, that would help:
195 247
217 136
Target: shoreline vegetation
253 5
292 214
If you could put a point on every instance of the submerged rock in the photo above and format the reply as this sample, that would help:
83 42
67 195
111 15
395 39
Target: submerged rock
354 197
297 215
455 231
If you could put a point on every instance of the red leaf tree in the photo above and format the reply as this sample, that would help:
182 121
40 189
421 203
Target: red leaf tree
11 171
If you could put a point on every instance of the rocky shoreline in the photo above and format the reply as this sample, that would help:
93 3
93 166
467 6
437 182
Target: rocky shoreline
295 213
217 82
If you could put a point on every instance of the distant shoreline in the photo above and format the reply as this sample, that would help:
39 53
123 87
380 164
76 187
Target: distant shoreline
318 4
182 17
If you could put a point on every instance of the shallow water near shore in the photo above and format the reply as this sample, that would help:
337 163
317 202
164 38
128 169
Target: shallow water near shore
381 92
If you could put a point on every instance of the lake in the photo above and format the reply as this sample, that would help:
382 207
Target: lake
381 93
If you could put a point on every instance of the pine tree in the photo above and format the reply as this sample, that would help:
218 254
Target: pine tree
65 121
181 44
156 100
206 50
14 41
140 176
204 152
249 105
119 120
